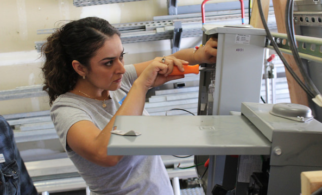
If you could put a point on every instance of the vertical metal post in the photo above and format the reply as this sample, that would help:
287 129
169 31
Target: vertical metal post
267 87
172 7
177 31
273 83
45 193
211 175
267 83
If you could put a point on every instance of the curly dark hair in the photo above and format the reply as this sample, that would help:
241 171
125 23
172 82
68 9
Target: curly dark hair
77 40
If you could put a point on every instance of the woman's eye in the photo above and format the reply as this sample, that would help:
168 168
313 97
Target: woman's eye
109 63
122 56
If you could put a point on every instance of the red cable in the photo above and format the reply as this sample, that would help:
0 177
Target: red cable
207 163
203 11
271 58
242 11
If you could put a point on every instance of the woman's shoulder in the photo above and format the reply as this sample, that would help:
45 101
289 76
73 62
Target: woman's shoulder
66 97
69 104
69 99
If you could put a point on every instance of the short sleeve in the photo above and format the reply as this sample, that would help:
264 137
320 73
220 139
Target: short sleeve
64 116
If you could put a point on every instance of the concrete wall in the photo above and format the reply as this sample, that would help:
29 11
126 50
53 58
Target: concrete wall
20 19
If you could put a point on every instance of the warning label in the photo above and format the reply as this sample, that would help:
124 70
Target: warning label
242 39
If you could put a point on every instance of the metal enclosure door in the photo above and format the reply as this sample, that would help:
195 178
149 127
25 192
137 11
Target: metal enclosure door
238 72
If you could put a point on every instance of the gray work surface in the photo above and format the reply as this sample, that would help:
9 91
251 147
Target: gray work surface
185 135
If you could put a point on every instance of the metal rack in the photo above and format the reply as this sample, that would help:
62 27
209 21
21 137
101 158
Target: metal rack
22 92
168 29
83 3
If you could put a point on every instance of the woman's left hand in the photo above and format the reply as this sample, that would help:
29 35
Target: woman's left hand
207 53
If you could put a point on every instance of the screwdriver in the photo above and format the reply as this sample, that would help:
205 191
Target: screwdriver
189 69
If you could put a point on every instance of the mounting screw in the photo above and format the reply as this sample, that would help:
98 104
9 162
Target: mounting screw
277 151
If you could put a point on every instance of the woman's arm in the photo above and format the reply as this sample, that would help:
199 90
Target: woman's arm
205 54
91 143
94 142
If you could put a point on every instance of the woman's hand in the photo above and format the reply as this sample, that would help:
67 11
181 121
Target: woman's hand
207 53
157 73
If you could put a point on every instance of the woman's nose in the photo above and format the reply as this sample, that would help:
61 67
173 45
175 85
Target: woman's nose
120 67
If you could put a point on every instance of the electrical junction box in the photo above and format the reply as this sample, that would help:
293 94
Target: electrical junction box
238 69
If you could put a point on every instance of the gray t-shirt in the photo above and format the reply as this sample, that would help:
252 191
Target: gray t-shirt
133 175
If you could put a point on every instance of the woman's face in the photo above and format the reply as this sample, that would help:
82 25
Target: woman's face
107 66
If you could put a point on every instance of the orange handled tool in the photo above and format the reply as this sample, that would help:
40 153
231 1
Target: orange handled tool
187 70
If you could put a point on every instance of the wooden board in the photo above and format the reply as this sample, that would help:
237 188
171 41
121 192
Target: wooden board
255 20
311 181
297 94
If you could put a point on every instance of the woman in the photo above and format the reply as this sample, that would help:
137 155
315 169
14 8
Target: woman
89 86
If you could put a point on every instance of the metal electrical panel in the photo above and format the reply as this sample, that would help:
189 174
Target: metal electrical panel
238 69
308 22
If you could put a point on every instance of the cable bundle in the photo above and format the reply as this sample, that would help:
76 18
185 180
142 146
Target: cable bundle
308 86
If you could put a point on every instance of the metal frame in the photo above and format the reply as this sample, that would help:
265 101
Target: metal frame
22 92
163 28
177 34
308 18
83 3
187 9
172 7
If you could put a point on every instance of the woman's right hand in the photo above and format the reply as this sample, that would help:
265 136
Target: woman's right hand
157 72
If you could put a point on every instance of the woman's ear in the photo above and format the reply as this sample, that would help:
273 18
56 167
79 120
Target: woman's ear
79 68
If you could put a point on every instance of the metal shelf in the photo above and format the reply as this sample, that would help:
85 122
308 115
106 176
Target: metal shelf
83 3
35 135
58 174
164 29
22 92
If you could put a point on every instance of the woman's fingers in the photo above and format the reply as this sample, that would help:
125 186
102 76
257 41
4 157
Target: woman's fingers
163 68
171 61
211 51
213 42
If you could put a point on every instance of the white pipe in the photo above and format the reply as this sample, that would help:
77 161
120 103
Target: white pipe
88 192
176 186
267 87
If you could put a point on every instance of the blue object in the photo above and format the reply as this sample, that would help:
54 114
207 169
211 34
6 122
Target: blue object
14 178
121 101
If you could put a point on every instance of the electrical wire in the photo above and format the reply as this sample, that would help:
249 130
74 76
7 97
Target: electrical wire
291 38
184 111
179 109
204 173
242 9
182 156
263 100
288 67
203 15
189 166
